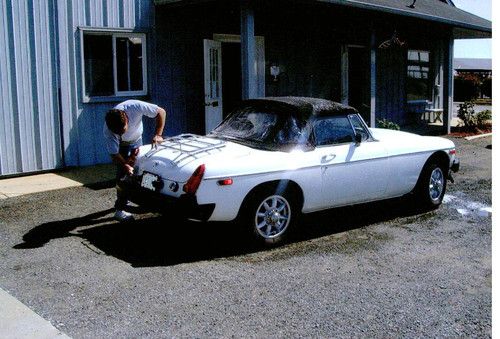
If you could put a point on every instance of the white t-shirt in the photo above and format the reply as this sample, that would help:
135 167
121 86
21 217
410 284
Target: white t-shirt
134 109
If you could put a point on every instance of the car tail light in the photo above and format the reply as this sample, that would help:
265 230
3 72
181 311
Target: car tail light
452 152
191 186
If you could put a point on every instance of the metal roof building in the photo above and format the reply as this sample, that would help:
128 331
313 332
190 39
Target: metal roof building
472 64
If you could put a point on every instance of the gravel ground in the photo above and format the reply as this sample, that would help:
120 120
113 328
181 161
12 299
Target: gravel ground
377 270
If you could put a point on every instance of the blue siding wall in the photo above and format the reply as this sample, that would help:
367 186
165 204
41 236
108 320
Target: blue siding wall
391 101
29 121
304 40
44 123
83 142
179 48
391 79
301 40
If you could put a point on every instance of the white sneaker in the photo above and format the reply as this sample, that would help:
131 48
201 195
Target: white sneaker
123 216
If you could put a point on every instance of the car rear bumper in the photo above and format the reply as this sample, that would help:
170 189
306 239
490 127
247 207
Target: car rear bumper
186 206
455 166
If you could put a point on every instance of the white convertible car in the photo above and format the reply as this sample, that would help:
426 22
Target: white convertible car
275 158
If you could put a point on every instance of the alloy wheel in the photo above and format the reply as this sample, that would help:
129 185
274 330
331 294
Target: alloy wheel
272 217
436 184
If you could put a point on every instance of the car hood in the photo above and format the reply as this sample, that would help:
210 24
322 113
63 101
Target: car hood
403 142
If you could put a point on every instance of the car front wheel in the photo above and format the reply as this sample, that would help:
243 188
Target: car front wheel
432 186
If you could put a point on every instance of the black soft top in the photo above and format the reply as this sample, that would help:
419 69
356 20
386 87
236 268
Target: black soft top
303 107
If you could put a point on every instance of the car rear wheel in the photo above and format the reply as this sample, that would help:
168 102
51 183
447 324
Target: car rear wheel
432 186
271 215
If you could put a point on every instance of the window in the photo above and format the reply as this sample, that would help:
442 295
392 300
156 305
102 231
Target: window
359 126
333 130
263 127
418 77
114 64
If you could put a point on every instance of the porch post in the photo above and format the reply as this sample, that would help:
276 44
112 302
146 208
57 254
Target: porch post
248 69
448 85
437 91
373 78
344 74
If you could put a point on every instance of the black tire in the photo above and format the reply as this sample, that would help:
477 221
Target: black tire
270 214
431 186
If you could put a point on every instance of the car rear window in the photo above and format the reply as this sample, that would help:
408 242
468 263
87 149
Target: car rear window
260 126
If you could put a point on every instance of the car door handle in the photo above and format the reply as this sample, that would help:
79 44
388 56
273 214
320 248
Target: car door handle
327 158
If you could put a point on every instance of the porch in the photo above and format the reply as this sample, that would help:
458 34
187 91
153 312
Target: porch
212 54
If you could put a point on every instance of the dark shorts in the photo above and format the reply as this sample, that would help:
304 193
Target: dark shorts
126 151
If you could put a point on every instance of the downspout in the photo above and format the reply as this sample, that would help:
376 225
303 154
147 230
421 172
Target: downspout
55 23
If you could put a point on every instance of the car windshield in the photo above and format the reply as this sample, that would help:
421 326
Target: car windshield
262 128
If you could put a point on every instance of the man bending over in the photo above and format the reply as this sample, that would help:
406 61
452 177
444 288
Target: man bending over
123 134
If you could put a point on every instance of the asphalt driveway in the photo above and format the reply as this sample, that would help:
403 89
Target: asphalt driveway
377 270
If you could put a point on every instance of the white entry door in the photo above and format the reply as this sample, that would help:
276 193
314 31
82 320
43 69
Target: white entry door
213 83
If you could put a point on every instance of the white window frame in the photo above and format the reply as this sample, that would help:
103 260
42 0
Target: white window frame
420 64
114 33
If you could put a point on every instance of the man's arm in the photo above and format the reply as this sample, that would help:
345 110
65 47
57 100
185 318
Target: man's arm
113 147
161 117
120 161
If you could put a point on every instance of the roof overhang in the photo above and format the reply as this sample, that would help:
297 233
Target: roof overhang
463 33
178 2
465 25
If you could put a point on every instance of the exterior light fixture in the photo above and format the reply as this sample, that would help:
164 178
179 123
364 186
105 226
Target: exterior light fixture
275 71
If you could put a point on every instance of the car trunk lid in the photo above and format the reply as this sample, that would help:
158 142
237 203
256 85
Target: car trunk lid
178 157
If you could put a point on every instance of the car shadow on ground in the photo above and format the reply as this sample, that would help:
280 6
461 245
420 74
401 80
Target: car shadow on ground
154 240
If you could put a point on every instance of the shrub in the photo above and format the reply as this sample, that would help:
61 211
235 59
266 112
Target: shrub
470 118
383 123
467 114
483 117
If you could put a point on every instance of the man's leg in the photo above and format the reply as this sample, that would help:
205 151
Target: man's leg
129 152
121 198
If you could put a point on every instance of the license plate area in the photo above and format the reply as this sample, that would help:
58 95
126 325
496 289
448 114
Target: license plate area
150 181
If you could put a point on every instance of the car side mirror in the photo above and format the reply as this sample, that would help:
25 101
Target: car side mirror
358 138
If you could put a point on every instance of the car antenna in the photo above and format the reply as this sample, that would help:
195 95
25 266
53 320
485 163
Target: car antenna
412 5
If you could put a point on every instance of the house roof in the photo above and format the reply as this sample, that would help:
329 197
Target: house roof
432 10
472 64
466 25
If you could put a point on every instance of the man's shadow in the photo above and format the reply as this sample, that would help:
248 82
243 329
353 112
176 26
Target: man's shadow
42 234
155 240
